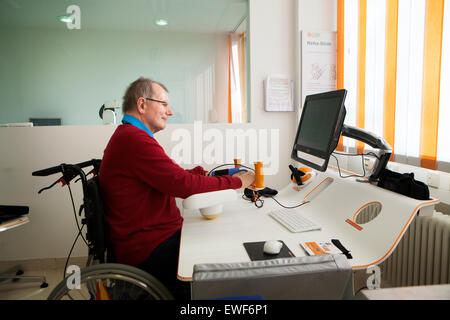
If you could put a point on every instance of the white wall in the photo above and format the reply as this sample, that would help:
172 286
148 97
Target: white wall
52 228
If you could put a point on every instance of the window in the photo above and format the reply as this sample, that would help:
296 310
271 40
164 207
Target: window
393 60
237 98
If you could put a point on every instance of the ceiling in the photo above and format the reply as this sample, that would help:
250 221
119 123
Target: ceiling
200 16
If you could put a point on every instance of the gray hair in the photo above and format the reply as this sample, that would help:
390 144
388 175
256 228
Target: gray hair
142 87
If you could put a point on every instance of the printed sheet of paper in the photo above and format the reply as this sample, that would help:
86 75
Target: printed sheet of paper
279 93
319 248
319 53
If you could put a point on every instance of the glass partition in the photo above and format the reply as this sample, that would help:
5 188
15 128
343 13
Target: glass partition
61 61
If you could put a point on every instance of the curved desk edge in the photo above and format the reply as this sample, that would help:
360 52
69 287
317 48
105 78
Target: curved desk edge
426 204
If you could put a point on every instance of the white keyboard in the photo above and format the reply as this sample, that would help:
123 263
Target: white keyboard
293 220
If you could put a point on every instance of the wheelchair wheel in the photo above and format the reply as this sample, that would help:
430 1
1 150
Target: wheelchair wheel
112 281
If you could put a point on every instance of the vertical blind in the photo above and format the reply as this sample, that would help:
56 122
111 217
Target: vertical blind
237 100
393 58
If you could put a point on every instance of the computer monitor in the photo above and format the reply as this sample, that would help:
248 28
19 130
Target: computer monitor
45 121
319 128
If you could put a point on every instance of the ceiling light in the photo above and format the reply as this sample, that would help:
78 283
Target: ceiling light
65 19
162 22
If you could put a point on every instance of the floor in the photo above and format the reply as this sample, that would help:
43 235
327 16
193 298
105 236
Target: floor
51 269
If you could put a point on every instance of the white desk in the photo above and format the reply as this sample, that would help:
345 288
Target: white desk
333 200
14 223
430 292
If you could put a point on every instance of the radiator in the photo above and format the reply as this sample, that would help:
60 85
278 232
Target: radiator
422 256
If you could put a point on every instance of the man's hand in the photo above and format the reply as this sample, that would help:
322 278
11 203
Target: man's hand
247 177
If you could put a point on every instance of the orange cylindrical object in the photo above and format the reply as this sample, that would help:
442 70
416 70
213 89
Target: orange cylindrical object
237 163
259 176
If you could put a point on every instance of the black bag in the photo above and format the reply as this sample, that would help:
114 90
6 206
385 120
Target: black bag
404 183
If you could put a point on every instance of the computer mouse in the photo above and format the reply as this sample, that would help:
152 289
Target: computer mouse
272 247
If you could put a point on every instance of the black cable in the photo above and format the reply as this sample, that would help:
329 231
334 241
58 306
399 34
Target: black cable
257 200
357 154
289 207
79 231
228 164
70 252
75 214
273 197
351 175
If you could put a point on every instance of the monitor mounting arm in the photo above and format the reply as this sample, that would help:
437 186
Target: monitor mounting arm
374 141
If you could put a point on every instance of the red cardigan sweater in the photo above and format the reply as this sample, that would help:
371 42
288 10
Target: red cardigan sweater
139 183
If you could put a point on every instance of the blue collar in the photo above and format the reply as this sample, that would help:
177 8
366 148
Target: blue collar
137 123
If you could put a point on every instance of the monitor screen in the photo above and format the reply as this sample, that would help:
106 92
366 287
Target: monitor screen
46 121
319 128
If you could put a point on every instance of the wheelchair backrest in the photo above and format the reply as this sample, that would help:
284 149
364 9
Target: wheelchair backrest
97 229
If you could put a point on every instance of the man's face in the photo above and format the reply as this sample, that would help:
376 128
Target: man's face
156 113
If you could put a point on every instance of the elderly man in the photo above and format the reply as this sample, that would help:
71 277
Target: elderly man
139 183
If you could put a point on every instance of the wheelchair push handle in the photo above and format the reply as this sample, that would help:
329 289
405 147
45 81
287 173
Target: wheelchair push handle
69 171
63 167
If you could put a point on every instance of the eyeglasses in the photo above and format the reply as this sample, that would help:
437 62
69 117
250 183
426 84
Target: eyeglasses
164 103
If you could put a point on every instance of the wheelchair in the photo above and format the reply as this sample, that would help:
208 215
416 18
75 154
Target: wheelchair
101 279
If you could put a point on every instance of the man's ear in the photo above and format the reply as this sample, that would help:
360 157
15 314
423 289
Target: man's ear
140 105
